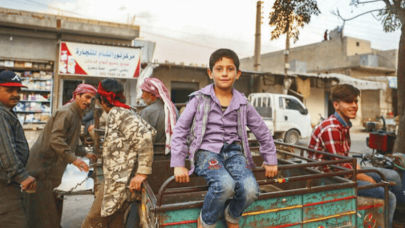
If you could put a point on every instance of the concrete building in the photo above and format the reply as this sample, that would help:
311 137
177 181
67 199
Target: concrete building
348 55
33 40
339 57
35 37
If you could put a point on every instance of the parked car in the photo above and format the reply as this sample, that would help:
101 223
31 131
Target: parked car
285 115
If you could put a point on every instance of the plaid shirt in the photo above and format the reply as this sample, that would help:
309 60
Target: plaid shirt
14 148
332 136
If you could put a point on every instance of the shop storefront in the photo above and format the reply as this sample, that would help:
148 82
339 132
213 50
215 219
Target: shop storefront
90 63
30 45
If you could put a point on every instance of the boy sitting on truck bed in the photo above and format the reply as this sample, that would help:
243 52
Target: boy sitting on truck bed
215 121
333 136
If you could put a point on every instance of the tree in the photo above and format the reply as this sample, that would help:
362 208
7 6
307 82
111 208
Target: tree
392 18
288 16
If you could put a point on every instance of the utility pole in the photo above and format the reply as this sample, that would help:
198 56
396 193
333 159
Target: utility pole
258 35
287 50
287 81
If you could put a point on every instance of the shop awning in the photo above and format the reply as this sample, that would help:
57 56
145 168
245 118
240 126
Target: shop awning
345 79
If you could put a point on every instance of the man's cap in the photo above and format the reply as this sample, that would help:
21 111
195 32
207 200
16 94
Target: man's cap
10 79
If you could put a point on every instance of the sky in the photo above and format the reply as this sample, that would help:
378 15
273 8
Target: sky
190 30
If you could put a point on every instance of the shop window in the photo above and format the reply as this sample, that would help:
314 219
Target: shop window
181 90
68 87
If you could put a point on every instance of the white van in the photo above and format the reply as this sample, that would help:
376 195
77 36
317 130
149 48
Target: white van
285 115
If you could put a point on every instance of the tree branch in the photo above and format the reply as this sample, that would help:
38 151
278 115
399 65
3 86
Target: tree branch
390 7
358 3
338 14
378 19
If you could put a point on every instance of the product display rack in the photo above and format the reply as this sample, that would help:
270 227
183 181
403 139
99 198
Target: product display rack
35 105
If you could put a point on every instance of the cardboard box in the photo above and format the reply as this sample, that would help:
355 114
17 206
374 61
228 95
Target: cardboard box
27 65
36 75
18 64
44 117
9 63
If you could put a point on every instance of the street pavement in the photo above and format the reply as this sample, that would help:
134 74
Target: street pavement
75 208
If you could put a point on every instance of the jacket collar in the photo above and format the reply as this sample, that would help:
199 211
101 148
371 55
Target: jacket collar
237 99
342 121
7 109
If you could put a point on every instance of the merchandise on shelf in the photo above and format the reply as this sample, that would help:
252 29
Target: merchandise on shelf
35 100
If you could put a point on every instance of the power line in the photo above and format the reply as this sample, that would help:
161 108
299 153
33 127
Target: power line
245 43
48 6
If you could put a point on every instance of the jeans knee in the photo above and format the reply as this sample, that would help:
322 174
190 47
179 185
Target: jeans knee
225 186
251 189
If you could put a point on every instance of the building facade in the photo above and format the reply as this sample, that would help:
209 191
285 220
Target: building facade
344 57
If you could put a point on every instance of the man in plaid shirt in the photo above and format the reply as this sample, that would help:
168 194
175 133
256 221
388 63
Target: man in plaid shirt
333 136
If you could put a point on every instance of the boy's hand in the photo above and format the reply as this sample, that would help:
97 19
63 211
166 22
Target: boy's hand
136 182
364 177
270 170
181 174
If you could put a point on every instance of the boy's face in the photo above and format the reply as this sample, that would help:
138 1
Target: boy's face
347 110
224 73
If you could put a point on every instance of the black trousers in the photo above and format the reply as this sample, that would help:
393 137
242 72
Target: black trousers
12 213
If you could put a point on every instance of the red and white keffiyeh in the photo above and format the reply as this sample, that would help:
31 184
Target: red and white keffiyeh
157 88
82 88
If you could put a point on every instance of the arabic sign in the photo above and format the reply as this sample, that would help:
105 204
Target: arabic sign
99 60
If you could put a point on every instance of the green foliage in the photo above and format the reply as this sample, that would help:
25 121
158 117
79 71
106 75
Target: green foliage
290 15
389 20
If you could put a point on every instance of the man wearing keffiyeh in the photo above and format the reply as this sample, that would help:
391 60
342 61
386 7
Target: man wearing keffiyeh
160 112
127 157
56 146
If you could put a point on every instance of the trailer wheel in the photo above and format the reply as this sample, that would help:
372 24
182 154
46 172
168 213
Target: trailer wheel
292 137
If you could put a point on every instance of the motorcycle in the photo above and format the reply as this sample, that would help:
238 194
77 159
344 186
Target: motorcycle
383 156
382 143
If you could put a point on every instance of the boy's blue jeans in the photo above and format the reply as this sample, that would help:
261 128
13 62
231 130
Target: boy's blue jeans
227 174
396 192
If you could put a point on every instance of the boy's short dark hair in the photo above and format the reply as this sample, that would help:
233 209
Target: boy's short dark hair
223 52
111 85
344 92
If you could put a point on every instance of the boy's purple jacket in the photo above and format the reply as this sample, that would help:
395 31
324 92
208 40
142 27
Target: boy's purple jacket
200 106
